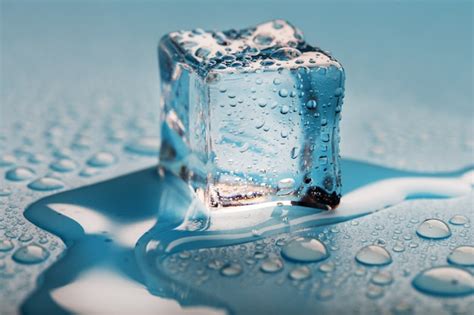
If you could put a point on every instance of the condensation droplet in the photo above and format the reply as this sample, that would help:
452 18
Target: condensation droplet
373 255
433 229
305 250
30 254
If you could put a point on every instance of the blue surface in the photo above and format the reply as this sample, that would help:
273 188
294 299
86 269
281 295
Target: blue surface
81 77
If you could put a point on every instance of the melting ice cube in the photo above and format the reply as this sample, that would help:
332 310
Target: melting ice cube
251 116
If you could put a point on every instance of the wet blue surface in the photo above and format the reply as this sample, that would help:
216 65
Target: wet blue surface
81 78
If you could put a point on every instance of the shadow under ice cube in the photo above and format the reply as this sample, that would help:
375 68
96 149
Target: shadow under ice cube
251 116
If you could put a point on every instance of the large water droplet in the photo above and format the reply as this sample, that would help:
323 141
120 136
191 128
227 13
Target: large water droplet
63 165
102 159
373 255
144 146
6 245
271 265
463 256
305 250
30 254
433 229
300 273
231 270
459 220
46 183
19 174
445 281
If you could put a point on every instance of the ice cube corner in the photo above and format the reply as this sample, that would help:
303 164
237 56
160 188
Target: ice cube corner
251 116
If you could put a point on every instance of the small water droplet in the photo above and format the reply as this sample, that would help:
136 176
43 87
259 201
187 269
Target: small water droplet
262 102
148 146
263 39
325 294
102 159
433 229
459 220
373 255
311 104
271 265
285 53
215 264
30 254
327 267
284 109
463 256
231 270
305 250
6 245
63 165
382 278
5 192
374 291
46 183
283 92
7 160
445 281
19 174
300 273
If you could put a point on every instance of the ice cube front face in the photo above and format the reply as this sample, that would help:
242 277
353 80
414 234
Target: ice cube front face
251 116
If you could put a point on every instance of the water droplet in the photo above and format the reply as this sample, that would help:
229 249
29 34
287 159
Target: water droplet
231 270
202 52
276 81
263 39
285 53
382 278
271 265
311 104
46 183
327 267
215 264
283 92
284 109
63 165
262 102
373 255
374 291
5 192
89 171
6 245
433 229
305 250
300 273
286 185
325 294
102 159
398 247
338 92
459 220
463 256
149 146
30 254
445 281
19 174
7 160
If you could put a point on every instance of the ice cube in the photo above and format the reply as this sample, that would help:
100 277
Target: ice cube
251 116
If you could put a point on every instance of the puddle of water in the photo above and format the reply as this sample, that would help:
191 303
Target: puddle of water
122 233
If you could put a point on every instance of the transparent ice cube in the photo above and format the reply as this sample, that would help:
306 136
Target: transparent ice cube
251 116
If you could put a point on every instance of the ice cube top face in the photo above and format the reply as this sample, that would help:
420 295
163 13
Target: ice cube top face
251 116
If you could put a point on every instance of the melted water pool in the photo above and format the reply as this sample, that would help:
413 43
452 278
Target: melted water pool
141 231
